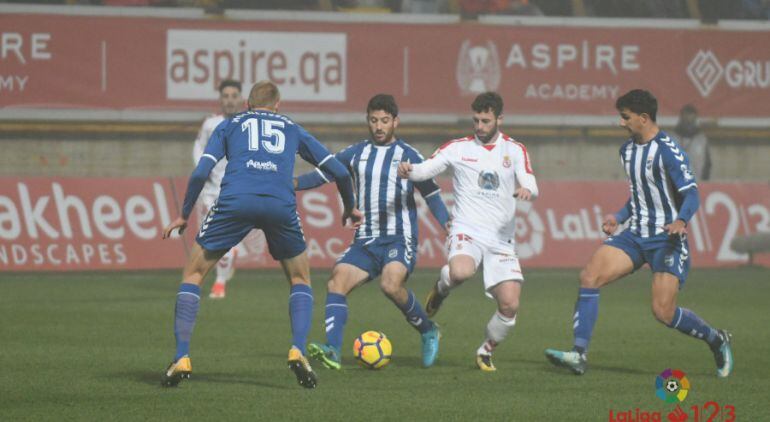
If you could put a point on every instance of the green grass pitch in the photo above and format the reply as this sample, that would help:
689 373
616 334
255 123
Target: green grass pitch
92 346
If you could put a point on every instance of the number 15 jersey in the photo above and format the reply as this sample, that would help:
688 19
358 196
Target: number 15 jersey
261 149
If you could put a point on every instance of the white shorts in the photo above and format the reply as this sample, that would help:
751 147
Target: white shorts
498 257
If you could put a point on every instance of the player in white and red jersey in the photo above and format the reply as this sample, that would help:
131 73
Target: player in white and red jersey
491 171
231 102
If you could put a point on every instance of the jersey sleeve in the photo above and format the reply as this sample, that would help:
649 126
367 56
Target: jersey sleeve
216 148
310 149
429 187
525 176
433 166
677 165
200 142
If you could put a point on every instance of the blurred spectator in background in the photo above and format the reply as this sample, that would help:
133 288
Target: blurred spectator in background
694 142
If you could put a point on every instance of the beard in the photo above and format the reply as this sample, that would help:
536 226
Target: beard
388 136
484 138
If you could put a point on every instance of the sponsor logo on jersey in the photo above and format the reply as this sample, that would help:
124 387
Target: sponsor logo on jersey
262 165
469 159
489 180
393 253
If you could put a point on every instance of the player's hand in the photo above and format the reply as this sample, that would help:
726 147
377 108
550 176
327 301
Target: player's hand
404 168
678 227
523 193
180 223
609 225
356 218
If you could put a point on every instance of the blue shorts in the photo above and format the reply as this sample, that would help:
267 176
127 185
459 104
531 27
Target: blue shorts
371 255
664 253
230 219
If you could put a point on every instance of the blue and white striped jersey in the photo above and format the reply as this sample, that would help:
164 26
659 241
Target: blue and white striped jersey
386 200
658 173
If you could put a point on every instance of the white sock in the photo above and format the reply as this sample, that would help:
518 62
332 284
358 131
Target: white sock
444 284
497 329
226 267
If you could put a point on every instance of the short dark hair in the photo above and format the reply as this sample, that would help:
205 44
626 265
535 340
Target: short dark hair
639 101
384 102
229 82
488 101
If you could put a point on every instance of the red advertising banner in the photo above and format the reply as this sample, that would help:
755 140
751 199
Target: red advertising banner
57 224
136 63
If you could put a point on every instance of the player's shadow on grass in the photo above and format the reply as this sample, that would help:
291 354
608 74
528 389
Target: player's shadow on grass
593 368
154 378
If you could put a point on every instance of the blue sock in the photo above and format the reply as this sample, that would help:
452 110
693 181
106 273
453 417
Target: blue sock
187 303
335 319
687 322
586 312
415 315
301 314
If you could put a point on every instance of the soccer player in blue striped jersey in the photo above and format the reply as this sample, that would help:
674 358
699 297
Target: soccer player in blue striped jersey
257 192
664 197
385 245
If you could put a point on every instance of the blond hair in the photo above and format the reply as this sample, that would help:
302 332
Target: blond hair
264 94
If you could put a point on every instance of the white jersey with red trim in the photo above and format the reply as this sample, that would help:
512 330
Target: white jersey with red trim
211 189
485 179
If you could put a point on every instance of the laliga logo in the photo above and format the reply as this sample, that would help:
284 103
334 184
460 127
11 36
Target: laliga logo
529 231
704 71
478 68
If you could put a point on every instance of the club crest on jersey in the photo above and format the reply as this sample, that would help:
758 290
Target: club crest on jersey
649 163
506 161
489 180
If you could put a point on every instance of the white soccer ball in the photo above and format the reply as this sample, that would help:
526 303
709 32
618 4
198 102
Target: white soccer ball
672 385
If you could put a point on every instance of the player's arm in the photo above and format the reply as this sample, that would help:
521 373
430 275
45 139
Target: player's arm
527 190
677 166
612 221
312 151
200 143
214 152
318 177
428 169
431 192
624 213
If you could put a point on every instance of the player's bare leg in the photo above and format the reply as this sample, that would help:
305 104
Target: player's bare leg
507 295
459 269
225 270
297 271
392 281
606 265
345 278
665 288
198 265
